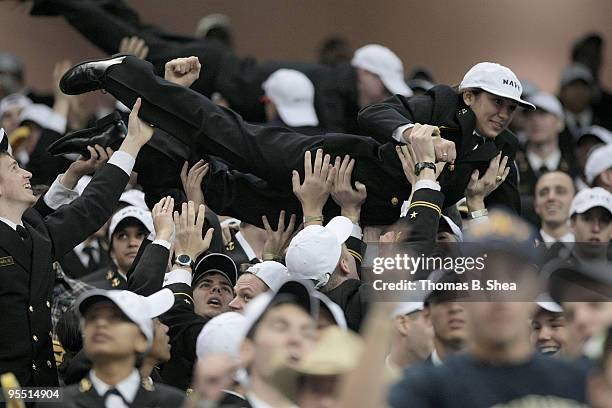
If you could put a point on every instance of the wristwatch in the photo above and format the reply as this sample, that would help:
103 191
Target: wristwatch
424 165
184 261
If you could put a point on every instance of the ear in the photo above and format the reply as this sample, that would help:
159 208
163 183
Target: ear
400 325
560 125
606 177
247 353
468 98
344 266
141 344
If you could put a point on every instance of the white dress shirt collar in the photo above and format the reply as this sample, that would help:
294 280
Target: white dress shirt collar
128 388
551 162
10 223
549 239
435 358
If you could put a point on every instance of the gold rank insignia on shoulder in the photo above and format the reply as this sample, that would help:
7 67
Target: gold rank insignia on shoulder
115 282
84 385
230 246
413 215
147 384
109 275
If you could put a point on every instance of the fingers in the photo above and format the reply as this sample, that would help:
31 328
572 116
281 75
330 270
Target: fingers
266 224
101 153
191 214
295 180
317 163
307 164
331 175
184 174
93 154
291 225
281 221
135 109
208 238
360 187
201 217
325 167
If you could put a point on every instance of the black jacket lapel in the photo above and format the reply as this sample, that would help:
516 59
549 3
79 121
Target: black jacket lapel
12 243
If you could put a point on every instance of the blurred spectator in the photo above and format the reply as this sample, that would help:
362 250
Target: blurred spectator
334 51
380 74
591 222
588 51
554 193
598 169
412 339
216 27
289 102
576 95
588 140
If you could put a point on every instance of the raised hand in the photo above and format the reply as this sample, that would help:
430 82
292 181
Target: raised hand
276 240
139 132
192 181
348 198
183 71
318 181
98 156
479 188
135 46
188 228
162 218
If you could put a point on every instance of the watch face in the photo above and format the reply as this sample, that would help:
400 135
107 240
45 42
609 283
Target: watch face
184 259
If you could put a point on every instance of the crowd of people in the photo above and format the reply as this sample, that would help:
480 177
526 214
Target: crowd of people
203 232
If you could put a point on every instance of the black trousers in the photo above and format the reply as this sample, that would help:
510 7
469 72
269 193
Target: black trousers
269 153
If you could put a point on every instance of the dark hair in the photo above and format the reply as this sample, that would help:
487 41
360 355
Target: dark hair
68 331
4 152
475 91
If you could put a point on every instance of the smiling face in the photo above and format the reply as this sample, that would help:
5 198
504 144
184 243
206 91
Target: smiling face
15 188
548 332
109 334
554 192
212 295
493 113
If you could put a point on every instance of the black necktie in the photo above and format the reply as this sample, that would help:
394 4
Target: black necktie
543 169
25 237
92 265
113 391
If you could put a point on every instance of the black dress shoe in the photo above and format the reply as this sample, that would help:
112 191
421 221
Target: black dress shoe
87 76
108 132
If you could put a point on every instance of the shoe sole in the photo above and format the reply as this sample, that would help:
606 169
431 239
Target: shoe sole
62 84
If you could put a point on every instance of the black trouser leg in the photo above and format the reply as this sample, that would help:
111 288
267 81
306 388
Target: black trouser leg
269 153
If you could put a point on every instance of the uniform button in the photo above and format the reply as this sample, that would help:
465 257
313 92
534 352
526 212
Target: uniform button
48 305
35 338
31 309
394 201
49 364
34 367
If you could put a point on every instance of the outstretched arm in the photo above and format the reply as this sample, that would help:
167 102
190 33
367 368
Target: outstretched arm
91 210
